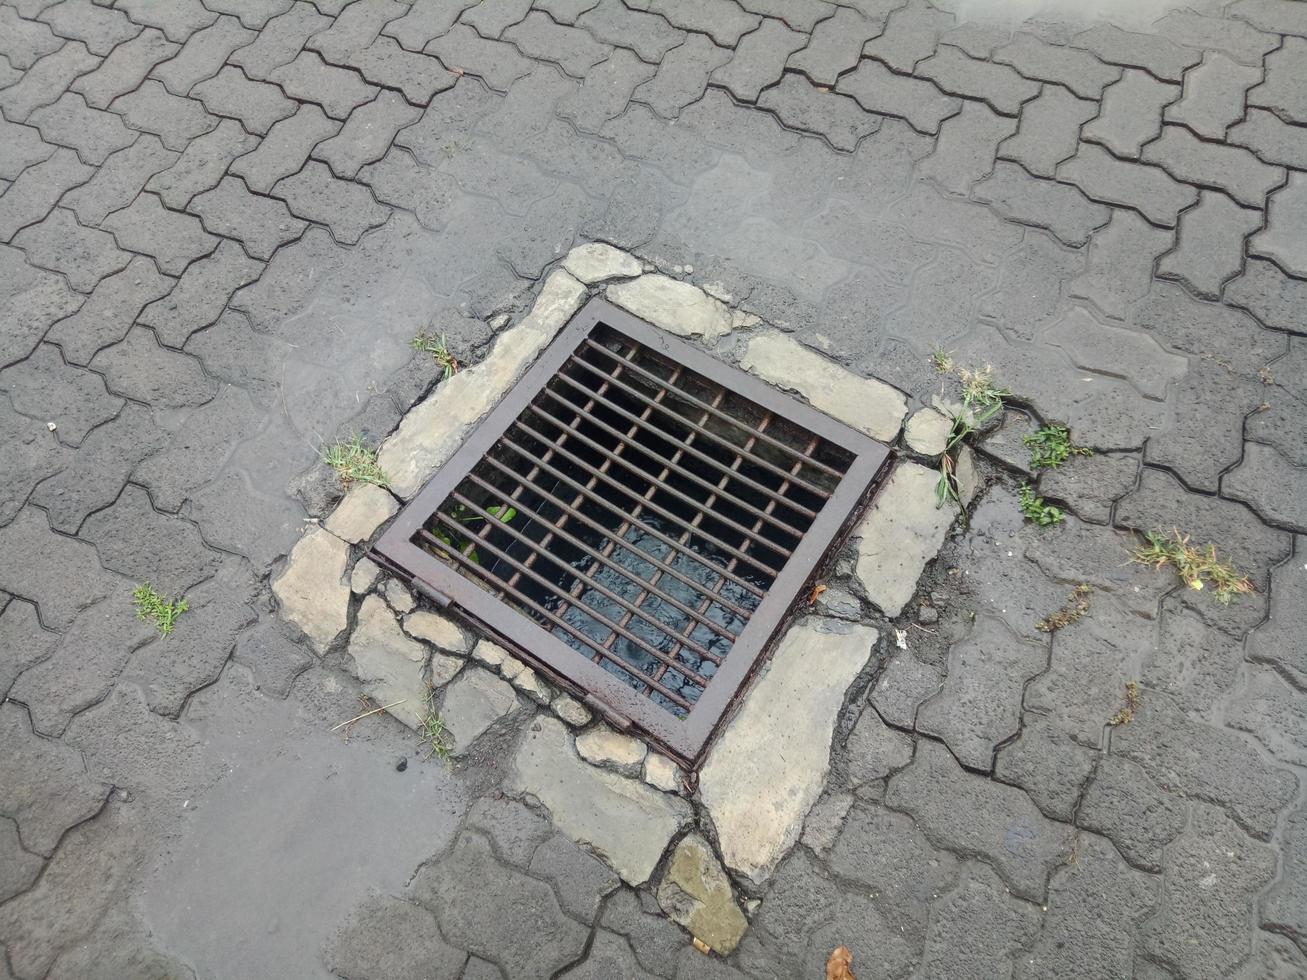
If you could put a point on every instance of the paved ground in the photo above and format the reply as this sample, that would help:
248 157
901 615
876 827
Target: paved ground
222 222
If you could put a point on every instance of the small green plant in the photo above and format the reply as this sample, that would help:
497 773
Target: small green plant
942 360
981 394
151 606
1077 604
1197 566
461 515
1051 446
1127 714
354 463
981 401
438 348
433 735
1045 515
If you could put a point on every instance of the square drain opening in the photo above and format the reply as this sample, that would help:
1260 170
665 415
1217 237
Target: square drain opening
637 519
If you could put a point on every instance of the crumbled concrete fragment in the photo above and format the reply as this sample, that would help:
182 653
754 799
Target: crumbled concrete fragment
440 631
598 262
491 654
927 432
311 589
696 893
676 306
662 773
364 509
602 746
571 710
364 576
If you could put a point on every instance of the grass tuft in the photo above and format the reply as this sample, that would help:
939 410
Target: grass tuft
354 463
1051 446
1045 515
941 360
1127 714
1077 604
981 394
438 348
1198 567
433 735
152 606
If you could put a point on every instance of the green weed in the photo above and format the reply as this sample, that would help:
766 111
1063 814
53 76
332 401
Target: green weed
151 606
1045 515
464 516
433 735
1127 714
438 348
1077 604
1197 567
1051 446
942 360
354 463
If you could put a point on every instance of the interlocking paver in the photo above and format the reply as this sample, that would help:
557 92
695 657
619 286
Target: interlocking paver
46 80
125 68
837 118
835 45
1047 764
24 42
802 15
202 164
682 76
1079 71
93 133
153 109
1268 294
262 224
200 295
426 21
1214 94
650 37
497 63
528 108
285 149
1131 114
413 946
254 14
202 55
759 60
911 34
100 28
38 189
258 105
343 206
108 314
566 11
1121 259
1147 189
1209 245
1154 54
178 19
354 29
339 91
1061 209
1283 905
1228 168
1102 347
1048 131
1237 39
1284 239
61 575
1285 90
174 239
31 301
1272 140
1276 16
399 180
60 244
722 20
418 76
20 147
1273 486
279 41
44 387
366 135
879 90
490 18
998 85
966 148
571 48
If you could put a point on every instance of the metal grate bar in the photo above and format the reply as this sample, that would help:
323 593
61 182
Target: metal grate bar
731 420
792 529
654 508
697 428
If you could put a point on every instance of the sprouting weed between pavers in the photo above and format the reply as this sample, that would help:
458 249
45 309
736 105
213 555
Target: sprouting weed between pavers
1196 566
982 400
432 733
354 463
1034 508
1051 446
1127 714
151 606
438 348
1077 604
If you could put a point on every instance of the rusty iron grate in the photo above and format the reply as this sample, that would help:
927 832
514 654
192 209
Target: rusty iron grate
637 519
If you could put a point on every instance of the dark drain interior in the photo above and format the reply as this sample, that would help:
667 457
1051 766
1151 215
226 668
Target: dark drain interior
639 505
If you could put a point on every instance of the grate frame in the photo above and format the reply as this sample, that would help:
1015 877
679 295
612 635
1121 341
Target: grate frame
685 739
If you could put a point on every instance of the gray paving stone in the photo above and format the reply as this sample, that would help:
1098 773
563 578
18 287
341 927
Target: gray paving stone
24 42
1272 140
1091 484
33 195
977 929
60 244
682 76
178 20
571 48
1268 294
1194 664
389 937
496 63
491 18
279 40
202 164
1237 39
580 880
610 956
20 147
1214 95
515 830
1080 72
175 240
256 104
202 55
37 455
1094 904
510 919
285 149
1154 54
566 11
965 150
147 546
979 706
722 20
998 85
61 575
345 207
1131 114
201 294
977 39
31 301
1049 131
354 28
400 181
911 34
649 36
835 45
262 224
961 811
904 685
366 135
425 21
1270 484
1275 16
125 68
93 133
1274 712
291 278
1203 930
1284 240
1124 804
1274 641
1059 208
153 109
1147 189
274 660
759 60
1209 245
1048 765
145 372
836 118
254 14
1121 257
338 91
879 90
418 76
1027 293
25 641
1227 168
1282 908
802 15
46 80
46 388
98 27
118 182
1283 92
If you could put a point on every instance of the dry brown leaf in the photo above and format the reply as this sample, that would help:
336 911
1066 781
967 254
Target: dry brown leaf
840 964
817 590
700 945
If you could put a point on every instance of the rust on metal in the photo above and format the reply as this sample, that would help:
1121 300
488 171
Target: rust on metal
637 520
